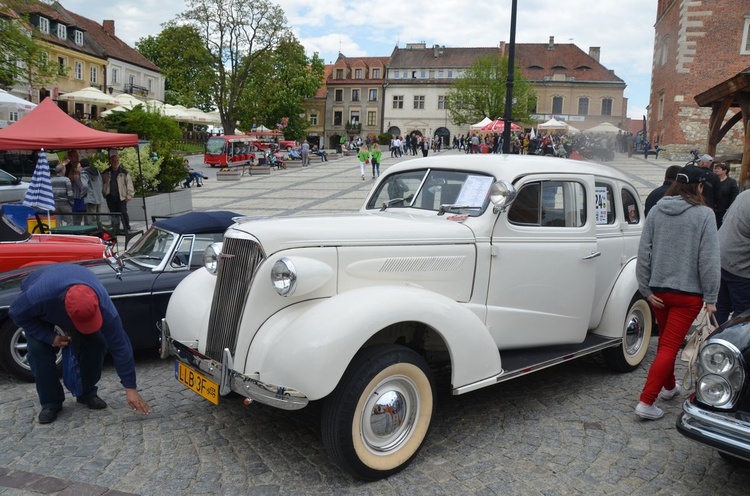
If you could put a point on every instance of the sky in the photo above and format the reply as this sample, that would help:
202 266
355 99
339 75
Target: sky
624 30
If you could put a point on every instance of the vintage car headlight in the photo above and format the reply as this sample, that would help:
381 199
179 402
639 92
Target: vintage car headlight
284 277
502 194
721 374
211 257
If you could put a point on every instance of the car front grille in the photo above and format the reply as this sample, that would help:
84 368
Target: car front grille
239 260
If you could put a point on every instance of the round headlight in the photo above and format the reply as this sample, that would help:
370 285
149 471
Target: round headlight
284 277
211 257
713 390
502 193
717 358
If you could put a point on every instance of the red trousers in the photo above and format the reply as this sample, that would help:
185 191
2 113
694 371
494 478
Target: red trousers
675 320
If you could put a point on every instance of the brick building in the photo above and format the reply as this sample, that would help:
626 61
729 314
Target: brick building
697 45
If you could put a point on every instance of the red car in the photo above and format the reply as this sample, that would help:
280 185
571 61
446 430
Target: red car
20 249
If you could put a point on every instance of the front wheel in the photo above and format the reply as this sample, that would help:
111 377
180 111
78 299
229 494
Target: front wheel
377 418
637 332
14 354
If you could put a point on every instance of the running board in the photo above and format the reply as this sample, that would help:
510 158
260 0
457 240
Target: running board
516 363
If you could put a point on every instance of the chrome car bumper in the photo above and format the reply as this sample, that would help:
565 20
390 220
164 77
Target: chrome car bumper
228 379
721 431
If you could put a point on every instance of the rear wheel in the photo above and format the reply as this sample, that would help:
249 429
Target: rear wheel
377 418
637 332
13 351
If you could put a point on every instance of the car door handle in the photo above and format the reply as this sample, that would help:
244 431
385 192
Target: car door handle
594 254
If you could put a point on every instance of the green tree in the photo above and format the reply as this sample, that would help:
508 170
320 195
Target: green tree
277 88
236 33
184 62
23 57
481 92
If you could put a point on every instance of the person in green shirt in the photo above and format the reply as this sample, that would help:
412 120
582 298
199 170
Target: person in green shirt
364 158
377 154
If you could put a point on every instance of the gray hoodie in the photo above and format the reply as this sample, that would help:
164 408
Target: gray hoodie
679 250
92 179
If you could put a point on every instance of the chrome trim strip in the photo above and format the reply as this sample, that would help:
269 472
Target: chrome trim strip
717 428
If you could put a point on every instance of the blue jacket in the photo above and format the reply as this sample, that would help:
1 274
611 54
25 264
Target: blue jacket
40 307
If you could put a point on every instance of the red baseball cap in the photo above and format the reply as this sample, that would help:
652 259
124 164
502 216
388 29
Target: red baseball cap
82 306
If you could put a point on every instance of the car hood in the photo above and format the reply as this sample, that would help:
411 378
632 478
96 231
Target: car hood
360 229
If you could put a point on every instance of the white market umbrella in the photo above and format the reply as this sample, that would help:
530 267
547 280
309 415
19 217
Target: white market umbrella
573 130
604 127
91 96
14 103
553 125
127 100
119 108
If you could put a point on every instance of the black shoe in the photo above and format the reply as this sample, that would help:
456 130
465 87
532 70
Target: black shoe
93 402
48 415
200 185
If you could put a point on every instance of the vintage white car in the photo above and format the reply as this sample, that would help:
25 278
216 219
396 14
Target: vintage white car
472 268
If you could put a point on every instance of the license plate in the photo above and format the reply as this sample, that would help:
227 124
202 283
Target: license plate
197 382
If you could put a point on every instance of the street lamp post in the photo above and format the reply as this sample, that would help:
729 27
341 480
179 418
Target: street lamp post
509 79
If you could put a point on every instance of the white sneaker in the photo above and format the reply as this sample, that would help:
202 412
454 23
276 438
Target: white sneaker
650 412
668 394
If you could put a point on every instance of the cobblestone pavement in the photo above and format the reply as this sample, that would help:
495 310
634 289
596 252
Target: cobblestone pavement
561 431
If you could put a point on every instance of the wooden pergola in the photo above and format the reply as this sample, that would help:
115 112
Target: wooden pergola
732 93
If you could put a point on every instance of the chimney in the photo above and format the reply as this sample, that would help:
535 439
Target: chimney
551 45
502 49
109 27
594 53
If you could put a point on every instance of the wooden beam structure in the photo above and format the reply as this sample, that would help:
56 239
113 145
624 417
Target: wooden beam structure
732 93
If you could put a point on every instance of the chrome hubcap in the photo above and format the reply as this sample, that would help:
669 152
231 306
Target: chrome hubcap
390 414
635 331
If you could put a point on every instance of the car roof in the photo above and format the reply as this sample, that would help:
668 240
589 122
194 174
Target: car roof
509 166
199 222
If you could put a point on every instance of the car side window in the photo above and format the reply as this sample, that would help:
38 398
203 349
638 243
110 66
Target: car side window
605 204
181 257
630 206
550 204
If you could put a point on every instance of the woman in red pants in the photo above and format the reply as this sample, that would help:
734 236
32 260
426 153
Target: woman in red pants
678 271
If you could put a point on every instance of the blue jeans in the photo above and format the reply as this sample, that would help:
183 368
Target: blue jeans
91 350
734 296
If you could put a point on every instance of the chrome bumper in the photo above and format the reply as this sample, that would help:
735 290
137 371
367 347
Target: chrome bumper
719 430
227 378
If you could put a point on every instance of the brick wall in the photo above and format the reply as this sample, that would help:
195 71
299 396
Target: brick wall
702 40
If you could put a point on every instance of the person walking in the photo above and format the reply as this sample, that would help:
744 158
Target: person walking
62 193
117 188
92 182
377 155
728 191
678 272
425 146
305 153
734 239
669 176
79 192
72 298
364 158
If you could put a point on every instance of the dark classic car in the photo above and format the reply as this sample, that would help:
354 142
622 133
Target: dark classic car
718 413
140 281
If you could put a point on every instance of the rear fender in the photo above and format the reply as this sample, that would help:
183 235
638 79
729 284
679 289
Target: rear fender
308 346
613 318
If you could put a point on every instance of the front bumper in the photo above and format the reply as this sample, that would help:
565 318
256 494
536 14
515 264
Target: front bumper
227 378
722 431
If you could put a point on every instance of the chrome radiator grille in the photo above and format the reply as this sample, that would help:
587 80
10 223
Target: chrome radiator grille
239 261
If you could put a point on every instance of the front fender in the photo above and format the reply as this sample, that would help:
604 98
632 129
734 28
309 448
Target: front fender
190 306
308 346
613 318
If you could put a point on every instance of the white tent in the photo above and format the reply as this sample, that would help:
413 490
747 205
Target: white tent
10 103
479 125
553 124
604 127
573 130
90 95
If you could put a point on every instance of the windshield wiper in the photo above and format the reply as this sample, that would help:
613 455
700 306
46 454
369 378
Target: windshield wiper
393 201
455 208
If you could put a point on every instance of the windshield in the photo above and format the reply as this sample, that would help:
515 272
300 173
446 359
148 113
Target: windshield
151 248
215 146
454 191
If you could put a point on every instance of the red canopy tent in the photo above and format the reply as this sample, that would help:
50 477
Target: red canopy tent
47 126
498 126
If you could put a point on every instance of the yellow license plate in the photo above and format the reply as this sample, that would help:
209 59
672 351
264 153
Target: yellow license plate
197 382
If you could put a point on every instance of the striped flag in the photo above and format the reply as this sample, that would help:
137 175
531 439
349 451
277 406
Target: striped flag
39 195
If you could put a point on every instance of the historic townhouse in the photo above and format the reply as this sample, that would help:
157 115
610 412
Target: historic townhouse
354 102
697 45
571 85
